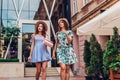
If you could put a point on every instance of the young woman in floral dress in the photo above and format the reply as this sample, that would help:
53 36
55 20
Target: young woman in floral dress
63 48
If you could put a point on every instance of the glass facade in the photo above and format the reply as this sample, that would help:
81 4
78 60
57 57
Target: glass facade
11 11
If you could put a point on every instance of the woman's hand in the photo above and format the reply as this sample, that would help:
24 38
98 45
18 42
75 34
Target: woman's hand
29 58
53 56
69 38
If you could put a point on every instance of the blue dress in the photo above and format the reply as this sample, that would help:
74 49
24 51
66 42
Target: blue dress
40 52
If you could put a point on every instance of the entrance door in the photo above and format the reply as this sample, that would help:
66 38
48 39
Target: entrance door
27 28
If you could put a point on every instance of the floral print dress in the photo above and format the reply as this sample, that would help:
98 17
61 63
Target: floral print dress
65 52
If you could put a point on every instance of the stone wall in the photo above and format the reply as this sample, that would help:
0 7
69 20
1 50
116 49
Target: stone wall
11 69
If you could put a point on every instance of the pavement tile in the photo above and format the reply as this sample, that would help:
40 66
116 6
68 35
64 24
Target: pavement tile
48 78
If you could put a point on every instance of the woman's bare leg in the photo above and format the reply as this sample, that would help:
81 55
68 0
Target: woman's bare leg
44 66
38 70
67 73
62 71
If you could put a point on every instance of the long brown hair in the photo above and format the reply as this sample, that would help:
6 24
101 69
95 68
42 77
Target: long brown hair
44 31
65 25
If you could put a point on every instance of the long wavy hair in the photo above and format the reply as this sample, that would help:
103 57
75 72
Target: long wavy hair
44 31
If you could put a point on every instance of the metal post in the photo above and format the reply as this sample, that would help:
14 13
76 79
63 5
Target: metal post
1 1
49 15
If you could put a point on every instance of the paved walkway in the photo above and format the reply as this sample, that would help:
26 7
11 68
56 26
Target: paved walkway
48 78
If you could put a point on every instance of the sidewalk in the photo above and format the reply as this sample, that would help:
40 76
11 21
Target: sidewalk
48 78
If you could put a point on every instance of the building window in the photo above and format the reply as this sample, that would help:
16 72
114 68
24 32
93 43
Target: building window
85 2
75 7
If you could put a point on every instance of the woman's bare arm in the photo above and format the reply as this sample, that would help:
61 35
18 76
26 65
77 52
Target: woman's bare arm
54 49
32 46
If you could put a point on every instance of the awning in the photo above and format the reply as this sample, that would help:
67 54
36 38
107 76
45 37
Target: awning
103 23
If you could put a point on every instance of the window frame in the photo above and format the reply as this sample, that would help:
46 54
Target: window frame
75 7
85 2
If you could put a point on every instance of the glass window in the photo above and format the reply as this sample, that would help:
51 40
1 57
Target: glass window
0 5
17 3
28 28
5 4
85 2
24 15
11 5
4 23
4 14
25 6
34 5
75 9
11 23
12 15
32 14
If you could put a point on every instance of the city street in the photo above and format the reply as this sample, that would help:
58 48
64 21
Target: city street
48 78
60 37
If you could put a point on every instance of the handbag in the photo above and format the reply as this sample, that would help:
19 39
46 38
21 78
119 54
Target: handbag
47 42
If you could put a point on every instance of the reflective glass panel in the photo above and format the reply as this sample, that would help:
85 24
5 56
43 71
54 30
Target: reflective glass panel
12 15
4 4
4 14
11 5
28 28
24 15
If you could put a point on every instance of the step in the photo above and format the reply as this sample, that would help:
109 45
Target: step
30 72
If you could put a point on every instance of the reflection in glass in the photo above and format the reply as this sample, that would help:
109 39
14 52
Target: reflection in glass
5 4
25 6
9 14
35 3
11 5
4 14
32 14
24 15
4 23
28 28
12 15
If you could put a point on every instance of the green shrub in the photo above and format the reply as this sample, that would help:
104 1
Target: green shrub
110 56
9 60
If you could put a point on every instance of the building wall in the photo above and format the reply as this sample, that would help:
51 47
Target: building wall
83 14
76 49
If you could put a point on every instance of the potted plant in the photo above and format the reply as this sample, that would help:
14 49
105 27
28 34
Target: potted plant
111 58
110 50
95 68
93 53
87 56
11 67
10 37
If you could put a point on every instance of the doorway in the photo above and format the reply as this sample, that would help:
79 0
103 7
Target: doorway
27 28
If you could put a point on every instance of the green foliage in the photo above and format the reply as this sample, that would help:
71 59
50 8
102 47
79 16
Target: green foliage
9 31
115 64
116 38
95 67
110 57
93 57
9 60
10 34
110 50
87 54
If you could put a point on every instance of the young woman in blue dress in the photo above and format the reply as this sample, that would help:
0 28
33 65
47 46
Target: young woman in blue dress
63 49
38 52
